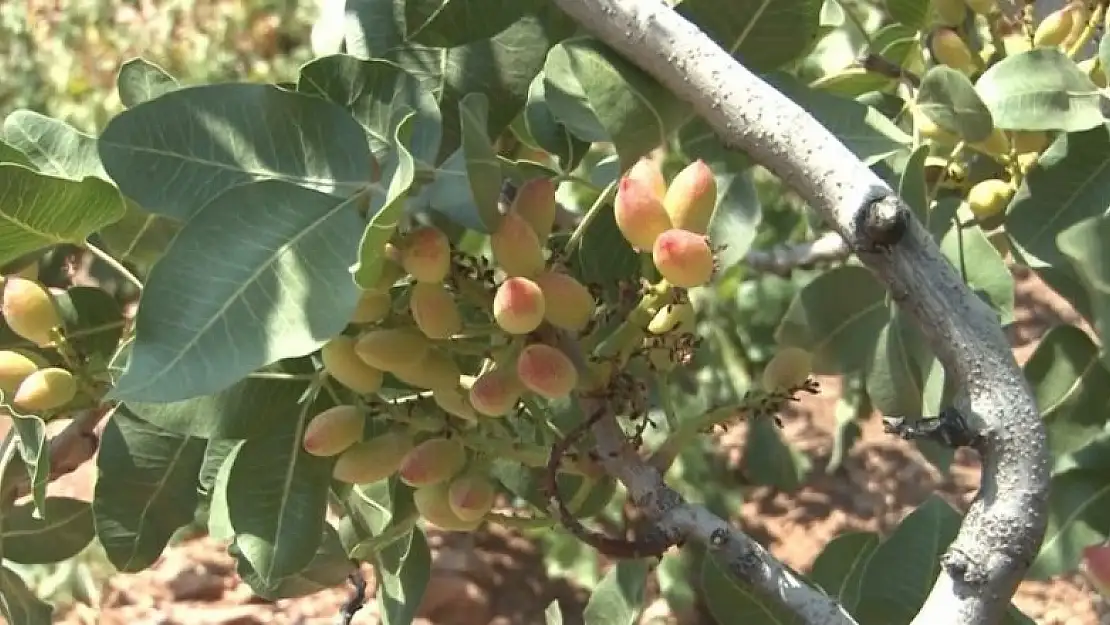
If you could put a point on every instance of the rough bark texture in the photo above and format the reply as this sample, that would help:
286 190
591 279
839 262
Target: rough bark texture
1005 525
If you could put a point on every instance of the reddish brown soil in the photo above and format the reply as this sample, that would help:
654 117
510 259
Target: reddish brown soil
496 577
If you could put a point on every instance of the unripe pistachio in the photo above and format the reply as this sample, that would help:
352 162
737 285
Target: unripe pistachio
516 248
433 503
989 198
930 131
333 430
14 369
342 363
29 310
569 304
454 401
679 317
648 172
949 49
546 371
519 306
435 370
373 306
683 258
691 198
1030 141
426 254
391 271
535 202
431 462
434 309
788 368
45 389
372 460
950 12
1092 67
388 349
496 392
471 496
639 214
995 145
1054 28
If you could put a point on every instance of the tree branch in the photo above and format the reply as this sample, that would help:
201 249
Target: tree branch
1004 527
783 259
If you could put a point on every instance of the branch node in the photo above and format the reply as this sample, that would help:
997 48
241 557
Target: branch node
949 428
881 222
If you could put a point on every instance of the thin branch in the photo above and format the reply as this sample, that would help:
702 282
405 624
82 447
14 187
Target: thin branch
1004 527
781 260
116 265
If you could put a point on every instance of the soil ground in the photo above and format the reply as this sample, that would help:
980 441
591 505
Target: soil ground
496 577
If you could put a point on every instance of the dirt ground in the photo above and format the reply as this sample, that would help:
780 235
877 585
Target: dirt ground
496 577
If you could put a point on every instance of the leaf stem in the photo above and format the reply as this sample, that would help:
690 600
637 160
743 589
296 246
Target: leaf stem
595 210
116 265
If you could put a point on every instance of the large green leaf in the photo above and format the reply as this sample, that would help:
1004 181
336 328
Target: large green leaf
771 461
259 275
1087 247
140 80
1041 89
145 491
448 23
619 598
18 604
730 601
899 367
63 530
400 171
763 35
1070 384
276 497
911 13
901 571
948 98
501 66
545 129
327 569
176 153
38 210
53 146
402 588
1078 516
838 317
468 185
379 94
840 566
1068 185
598 95
977 260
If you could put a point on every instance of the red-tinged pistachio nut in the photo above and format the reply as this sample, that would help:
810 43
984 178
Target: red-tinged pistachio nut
570 306
546 371
333 430
342 363
426 254
431 462
471 496
683 258
433 503
535 202
372 460
516 248
496 392
519 306
691 198
639 214
434 309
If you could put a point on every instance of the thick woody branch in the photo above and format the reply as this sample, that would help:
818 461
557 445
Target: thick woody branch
1005 524
783 259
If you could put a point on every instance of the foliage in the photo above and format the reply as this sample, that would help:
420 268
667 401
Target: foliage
262 218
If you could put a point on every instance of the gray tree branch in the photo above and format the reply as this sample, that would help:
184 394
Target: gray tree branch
781 260
1004 527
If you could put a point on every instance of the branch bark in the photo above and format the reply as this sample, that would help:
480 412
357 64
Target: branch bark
783 259
1005 525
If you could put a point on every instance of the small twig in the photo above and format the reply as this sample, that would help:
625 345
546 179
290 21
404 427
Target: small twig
949 428
116 265
357 600
781 260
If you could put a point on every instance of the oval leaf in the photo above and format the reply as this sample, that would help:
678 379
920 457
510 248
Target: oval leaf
840 566
63 530
619 597
400 171
1078 516
947 97
259 275
468 186
763 35
1087 247
140 80
1041 89
730 601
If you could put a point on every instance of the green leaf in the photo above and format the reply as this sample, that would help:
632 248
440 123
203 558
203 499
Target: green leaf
140 80
840 566
1078 515
730 601
379 94
898 44
1040 89
852 82
35 453
53 146
259 275
1069 382
948 98
244 410
93 320
603 256
902 569
552 615
762 35
1104 51
548 133
619 597
981 266
898 369
176 153
276 496
400 591
19 604
328 568
8 154
837 317
383 514
468 185
600 96
852 407
869 134
911 13
38 211
448 23
771 461
64 529
400 171
145 491
139 236
1087 247
912 186
1039 211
